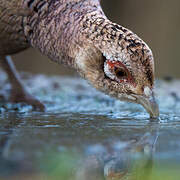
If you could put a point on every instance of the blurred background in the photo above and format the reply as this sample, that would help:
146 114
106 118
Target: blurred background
157 22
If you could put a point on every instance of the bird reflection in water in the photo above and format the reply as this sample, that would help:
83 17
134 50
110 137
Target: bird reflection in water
123 160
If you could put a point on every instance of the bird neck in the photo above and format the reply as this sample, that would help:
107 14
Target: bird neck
54 27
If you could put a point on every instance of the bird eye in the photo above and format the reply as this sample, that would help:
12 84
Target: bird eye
117 71
120 73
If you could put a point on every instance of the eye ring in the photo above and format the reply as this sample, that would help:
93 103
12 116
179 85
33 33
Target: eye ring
117 71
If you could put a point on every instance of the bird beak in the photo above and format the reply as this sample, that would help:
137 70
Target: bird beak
149 103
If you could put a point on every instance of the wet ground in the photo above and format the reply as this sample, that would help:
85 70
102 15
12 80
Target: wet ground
85 135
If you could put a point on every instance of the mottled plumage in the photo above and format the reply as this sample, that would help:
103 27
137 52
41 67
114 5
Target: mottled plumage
78 34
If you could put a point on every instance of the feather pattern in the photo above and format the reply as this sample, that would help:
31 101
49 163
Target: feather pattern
78 34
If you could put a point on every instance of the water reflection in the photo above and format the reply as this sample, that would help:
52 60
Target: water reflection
7 166
120 160
101 151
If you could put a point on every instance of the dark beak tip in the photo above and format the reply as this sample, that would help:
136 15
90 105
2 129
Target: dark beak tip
154 115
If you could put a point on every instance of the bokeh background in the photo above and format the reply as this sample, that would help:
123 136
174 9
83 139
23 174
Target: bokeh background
156 21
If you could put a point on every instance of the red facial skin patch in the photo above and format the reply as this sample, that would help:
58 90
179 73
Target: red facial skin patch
118 64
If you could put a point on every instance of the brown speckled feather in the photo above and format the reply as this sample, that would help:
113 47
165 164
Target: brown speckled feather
77 33
12 39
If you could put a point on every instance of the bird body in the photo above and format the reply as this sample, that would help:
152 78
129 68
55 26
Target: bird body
78 34
12 39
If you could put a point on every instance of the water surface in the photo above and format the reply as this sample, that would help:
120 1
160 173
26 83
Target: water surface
87 135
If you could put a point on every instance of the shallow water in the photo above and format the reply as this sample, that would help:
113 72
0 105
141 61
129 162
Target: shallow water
101 138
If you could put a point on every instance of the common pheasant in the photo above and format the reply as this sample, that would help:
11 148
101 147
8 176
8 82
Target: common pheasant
78 34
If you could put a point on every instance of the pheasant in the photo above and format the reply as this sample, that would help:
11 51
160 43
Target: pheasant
77 33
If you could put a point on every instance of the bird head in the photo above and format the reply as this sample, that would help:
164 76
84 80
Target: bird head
117 62
132 81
